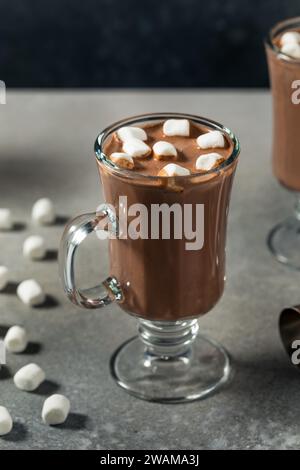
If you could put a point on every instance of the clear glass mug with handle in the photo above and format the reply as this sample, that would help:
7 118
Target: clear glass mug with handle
164 285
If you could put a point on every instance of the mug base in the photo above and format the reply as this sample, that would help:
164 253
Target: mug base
196 374
284 242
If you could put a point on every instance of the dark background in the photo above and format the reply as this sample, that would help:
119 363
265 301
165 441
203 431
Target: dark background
137 43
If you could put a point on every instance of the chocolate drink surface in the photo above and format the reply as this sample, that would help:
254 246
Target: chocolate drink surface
161 280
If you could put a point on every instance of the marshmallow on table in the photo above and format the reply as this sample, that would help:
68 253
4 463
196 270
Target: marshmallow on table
16 339
30 292
290 37
164 150
174 170
5 219
122 159
208 161
6 422
55 409
126 133
212 139
291 49
34 247
179 127
136 148
3 277
43 212
29 377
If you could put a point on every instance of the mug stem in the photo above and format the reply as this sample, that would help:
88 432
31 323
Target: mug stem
284 239
297 206
167 340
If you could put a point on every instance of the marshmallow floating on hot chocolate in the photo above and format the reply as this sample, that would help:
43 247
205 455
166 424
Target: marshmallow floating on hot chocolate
122 159
43 212
15 340
180 149
31 293
3 277
6 422
55 409
5 219
291 49
174 170
136 148
290 37
212 139
164 150
34 247
126 133
176 127
208 161
29 377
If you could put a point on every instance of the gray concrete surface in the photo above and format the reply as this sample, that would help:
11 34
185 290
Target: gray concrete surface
46 149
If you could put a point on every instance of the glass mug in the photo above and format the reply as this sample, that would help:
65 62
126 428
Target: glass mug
284 238
164 285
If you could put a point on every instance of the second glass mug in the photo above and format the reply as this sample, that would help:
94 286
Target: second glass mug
284 71
165 286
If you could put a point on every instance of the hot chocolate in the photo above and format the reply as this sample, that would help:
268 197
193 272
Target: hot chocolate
169 163
283 52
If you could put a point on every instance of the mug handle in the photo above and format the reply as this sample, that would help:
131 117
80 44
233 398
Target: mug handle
74 234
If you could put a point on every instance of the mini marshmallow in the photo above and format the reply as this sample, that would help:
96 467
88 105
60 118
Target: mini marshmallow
29 377
122 159
164 150
291 49
30 292
3 277
6 422
55 409
43 212
15 340
5 219
34 247
290 37
208 161
180 127
174 170
212 139
136 148
126 133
